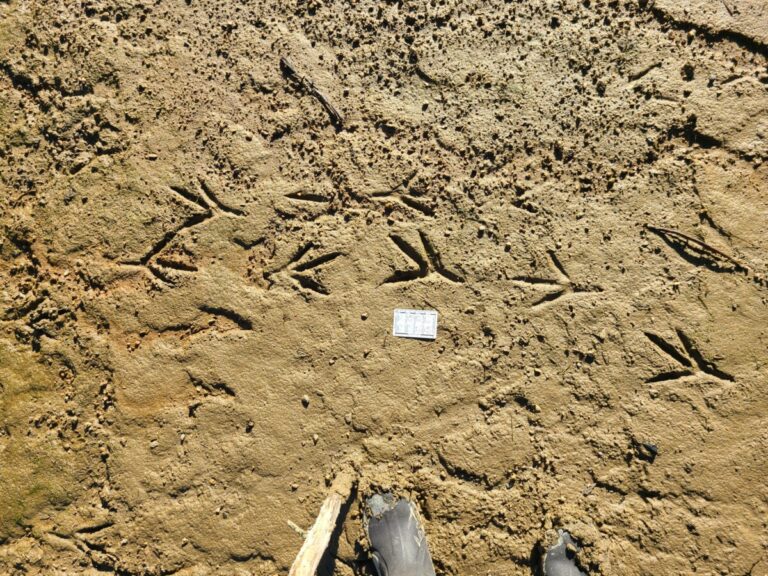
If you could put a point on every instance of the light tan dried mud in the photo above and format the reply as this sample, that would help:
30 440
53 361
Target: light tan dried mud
191 251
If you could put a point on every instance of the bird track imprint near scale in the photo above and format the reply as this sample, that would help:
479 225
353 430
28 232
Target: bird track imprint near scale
429 262
690 359
298 267
558 287
206 199
401 194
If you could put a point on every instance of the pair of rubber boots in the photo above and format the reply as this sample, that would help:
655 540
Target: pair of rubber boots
399 545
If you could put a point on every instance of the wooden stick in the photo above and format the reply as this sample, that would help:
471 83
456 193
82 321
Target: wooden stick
289 70
319 535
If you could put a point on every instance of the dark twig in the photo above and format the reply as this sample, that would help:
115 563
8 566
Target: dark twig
290 72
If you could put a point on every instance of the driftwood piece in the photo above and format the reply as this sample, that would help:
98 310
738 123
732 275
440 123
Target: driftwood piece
319 535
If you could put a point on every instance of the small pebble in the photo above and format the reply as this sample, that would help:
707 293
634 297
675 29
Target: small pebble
315 438
305 401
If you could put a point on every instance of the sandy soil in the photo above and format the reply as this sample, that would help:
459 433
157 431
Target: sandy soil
199 263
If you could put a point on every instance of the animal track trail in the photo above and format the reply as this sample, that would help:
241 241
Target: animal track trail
213 201
702 254
697 252
161 265
304 205
690 360
302 196
300 269
559 287
403 196
428 260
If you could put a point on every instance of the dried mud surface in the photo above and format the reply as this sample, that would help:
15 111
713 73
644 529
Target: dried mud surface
199 264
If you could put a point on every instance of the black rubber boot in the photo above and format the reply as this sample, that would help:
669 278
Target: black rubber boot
560 558
398 543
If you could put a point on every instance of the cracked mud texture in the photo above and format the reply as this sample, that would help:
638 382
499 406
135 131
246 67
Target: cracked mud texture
199 264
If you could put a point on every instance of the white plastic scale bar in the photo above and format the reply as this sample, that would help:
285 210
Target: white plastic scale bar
415 324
